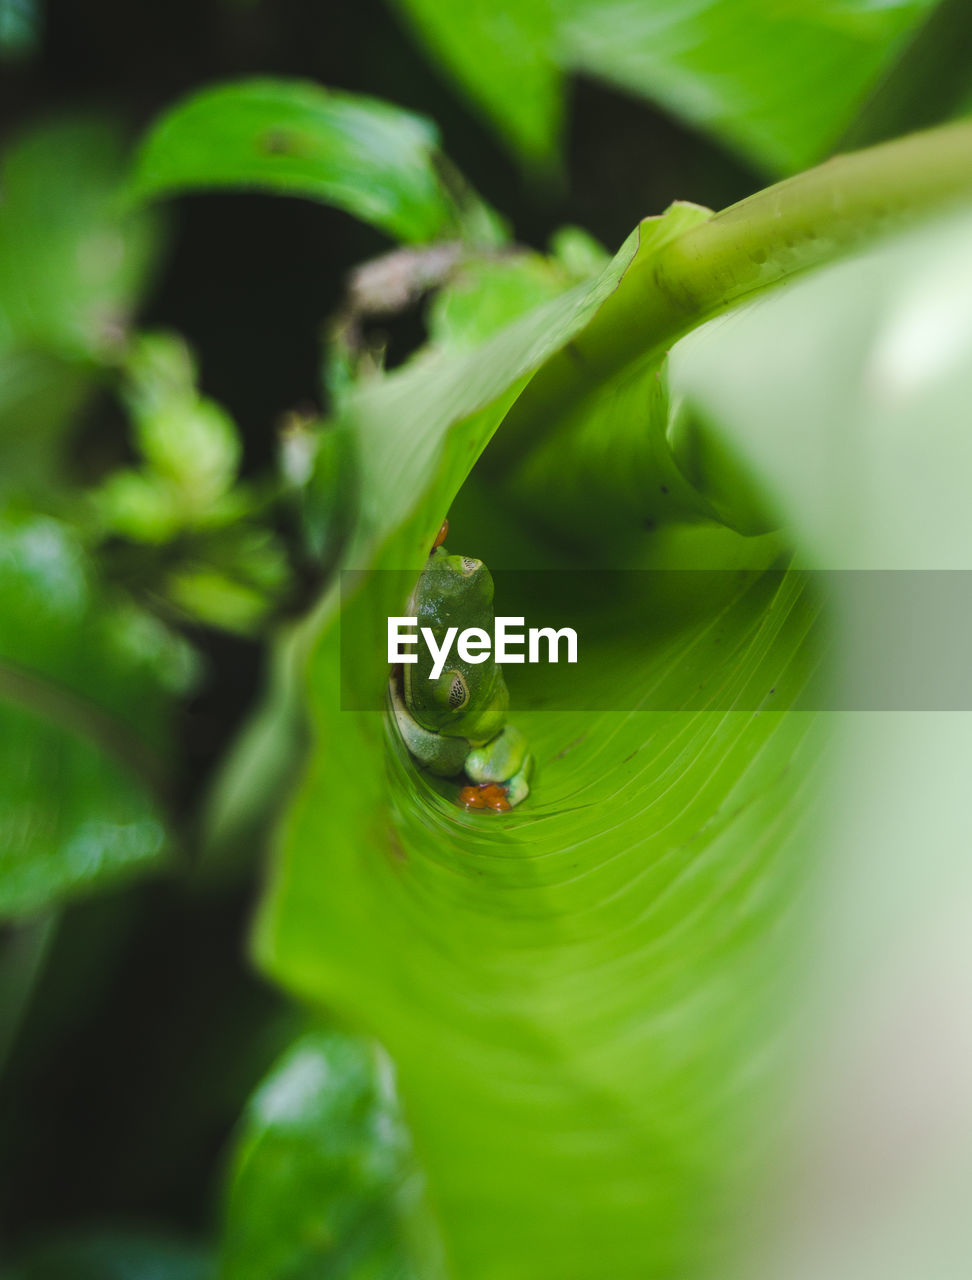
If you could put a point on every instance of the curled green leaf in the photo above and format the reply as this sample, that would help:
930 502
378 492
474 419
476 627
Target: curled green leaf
289 137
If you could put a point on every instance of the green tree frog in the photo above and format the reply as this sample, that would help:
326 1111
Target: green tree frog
457 722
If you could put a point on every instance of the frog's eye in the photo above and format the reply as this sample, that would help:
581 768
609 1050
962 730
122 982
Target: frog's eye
458 692
470 565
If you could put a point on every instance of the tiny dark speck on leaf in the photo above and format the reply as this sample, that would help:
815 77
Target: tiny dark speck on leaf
277 142
664 488
569 747
631 757
773 690
648 524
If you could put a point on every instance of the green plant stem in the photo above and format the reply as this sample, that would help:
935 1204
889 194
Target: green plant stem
804 222
816 216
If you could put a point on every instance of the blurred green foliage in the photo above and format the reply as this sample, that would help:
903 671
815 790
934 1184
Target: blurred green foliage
72 264
777 81
219 562
374 160
575 999
19 29
321 1178
113 1256
88 684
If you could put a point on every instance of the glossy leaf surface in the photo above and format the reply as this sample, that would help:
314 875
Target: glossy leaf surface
371 159
321 1171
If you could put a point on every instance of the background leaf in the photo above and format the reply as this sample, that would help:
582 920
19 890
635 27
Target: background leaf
320 1174
72 265
928 81
85 685
367 157
502 55
113 1255
776 82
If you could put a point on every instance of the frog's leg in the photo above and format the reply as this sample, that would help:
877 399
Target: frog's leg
440 755
518 787
505 759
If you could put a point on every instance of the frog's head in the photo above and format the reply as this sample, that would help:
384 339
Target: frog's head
453 591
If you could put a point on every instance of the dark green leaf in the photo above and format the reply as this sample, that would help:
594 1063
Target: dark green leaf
371 159
926 85
71 268
71 263
503 56
321 1174
776 82
85 685
218 564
